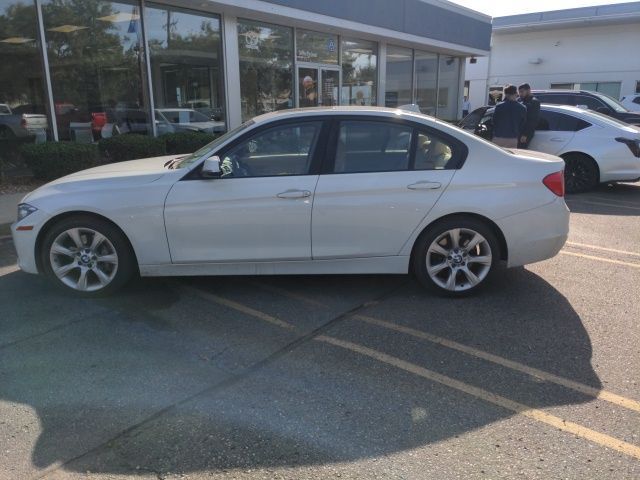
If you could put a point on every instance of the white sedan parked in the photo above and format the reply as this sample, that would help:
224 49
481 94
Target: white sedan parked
345 190
596 148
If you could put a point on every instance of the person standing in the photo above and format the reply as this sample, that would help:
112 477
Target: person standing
533 115
466 106
509 118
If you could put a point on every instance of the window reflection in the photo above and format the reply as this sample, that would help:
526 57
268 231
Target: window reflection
359 72
426 81
23 111
96 60
186 69
399 76
448 87
266 67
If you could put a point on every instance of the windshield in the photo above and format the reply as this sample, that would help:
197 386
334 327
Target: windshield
211 147
613 103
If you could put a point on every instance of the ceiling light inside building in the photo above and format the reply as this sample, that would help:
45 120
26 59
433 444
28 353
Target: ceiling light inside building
17 40
120 17
67 28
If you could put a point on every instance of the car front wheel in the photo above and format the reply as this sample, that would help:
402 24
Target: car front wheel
456 256
87 256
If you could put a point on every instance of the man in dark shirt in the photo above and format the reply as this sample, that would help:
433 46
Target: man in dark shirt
533 115
508 119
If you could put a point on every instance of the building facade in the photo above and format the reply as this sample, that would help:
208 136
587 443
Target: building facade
591 48
95 68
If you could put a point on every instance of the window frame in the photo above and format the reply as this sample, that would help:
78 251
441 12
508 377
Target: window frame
459 149
319 148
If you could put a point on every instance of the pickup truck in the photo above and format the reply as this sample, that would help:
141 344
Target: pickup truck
22 124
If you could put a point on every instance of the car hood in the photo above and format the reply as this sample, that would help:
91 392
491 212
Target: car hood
113 175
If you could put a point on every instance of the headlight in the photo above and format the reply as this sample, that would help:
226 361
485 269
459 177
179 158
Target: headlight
24 210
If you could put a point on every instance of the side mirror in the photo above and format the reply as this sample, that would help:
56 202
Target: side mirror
211 167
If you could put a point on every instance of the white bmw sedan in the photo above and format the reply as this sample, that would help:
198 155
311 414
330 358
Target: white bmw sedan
595 147
322 191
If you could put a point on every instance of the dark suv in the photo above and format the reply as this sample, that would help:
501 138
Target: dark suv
592 100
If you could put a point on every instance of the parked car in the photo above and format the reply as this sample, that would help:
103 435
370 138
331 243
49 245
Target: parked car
596 101
631 102
17 124
596 148
171 120
342 190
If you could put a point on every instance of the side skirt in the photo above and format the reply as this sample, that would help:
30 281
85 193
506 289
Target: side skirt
374 265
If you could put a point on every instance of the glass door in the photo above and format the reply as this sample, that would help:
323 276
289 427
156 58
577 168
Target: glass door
318 86
330 92
308 87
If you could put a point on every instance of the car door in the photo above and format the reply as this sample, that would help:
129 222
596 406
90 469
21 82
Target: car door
259 209
381 178
554 132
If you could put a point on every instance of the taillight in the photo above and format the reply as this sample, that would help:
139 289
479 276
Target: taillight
634 145
555 183
23 122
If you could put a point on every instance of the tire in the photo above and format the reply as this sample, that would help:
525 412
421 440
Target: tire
456 268
87 256
580 173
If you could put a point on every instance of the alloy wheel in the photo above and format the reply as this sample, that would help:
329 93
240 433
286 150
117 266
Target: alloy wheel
83 259
459 259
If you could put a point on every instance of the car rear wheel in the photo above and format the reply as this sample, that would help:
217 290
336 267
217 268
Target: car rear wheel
580 173
456 256
87 256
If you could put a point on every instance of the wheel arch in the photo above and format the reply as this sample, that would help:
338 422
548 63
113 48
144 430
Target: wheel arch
75 213
504 250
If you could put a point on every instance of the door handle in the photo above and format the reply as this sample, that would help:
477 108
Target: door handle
556 139
424 185
294 194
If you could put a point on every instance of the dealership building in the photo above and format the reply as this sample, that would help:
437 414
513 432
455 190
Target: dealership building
588 48
96 68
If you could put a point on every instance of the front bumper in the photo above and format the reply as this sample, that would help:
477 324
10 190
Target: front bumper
25 240
536 234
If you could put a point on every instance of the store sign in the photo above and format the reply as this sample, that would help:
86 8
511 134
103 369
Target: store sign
307 55
331 45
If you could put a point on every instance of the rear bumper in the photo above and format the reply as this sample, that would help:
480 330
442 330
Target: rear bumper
537 234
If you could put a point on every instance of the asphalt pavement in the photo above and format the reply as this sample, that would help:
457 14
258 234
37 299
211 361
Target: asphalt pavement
313 377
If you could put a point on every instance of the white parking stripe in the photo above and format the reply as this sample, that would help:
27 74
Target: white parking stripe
595 247
600 259
604 204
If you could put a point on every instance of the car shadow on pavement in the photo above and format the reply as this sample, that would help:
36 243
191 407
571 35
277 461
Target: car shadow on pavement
148 382
621 199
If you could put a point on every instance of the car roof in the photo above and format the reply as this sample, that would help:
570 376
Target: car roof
564 91
384 112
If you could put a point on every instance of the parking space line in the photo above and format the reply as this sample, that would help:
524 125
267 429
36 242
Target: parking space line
597 198
519 408
599 394
240 308
606 260
9 269
595 247
517 366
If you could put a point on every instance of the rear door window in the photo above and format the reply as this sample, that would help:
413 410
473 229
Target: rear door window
560 122
370 146
556 98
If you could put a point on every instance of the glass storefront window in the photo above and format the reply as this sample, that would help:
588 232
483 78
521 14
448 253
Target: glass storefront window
426 81
23 106
399 76
448 87
266 67
359 72
316 47
96 64
186 69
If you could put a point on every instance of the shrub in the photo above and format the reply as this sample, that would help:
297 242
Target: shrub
52 160
10 152
130 147
186 142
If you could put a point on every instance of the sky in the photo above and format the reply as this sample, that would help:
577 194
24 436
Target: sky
498 8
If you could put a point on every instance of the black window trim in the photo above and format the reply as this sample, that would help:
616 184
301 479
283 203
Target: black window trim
460 149
319 152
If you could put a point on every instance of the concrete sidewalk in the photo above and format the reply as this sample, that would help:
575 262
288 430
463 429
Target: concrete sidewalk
8 205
